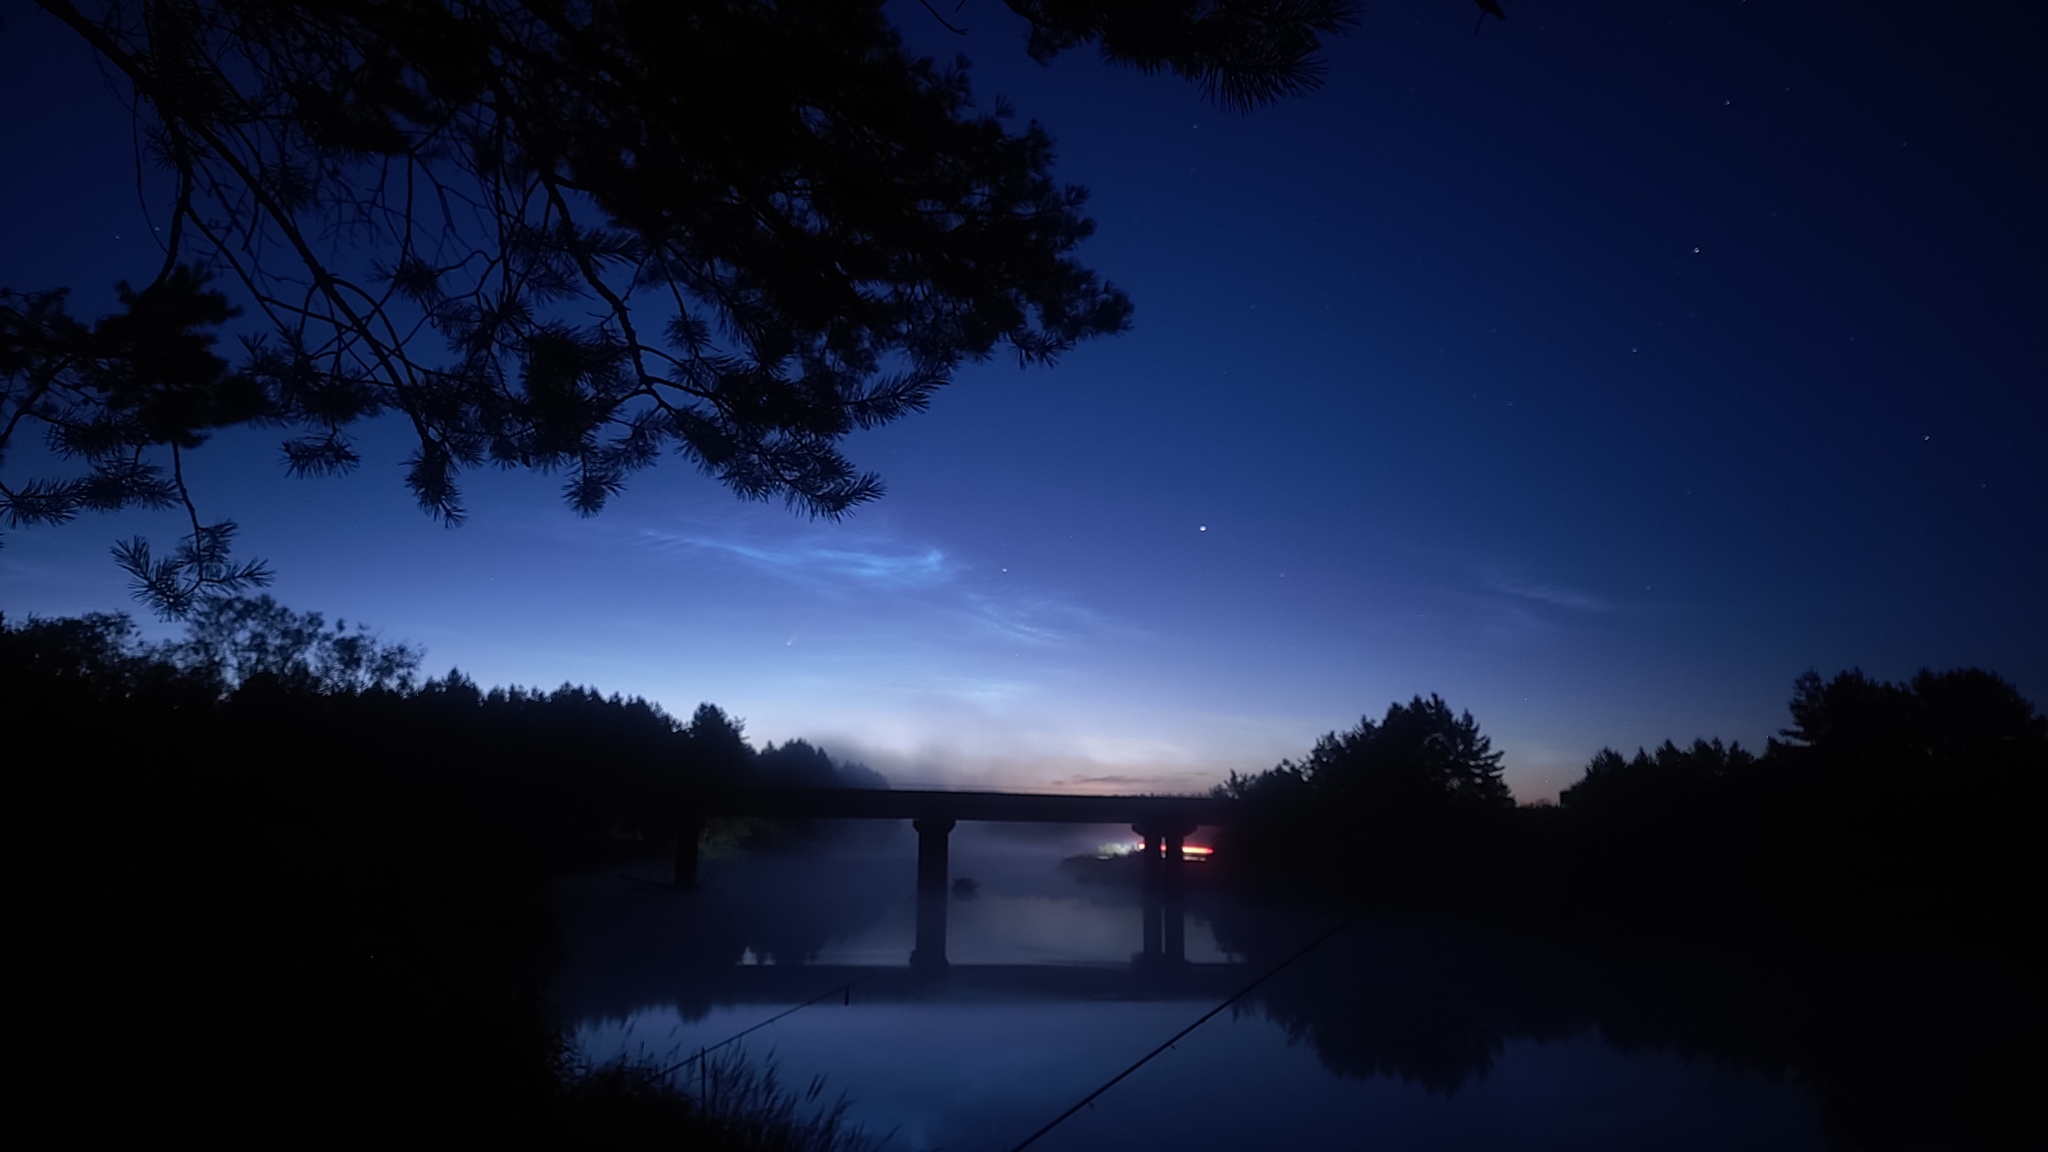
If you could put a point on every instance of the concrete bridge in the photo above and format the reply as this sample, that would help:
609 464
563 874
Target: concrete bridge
1163 822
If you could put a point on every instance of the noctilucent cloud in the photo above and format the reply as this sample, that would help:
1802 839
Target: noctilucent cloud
1601 371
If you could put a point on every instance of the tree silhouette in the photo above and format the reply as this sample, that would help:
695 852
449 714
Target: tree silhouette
1961 719
1671 776
718 744
98 659
573 237
802 764
236 638
1887 807
1419 756
1401 799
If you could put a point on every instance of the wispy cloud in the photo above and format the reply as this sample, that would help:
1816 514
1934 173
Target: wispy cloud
876 566
1554 595
936 586
1022 616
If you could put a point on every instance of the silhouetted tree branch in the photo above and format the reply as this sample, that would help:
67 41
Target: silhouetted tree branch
575 237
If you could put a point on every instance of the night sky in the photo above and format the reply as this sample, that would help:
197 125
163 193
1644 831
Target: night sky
1601 370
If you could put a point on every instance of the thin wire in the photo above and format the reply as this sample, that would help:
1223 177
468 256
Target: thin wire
1177 1037
702 1052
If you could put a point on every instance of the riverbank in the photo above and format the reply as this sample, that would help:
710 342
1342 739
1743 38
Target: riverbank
281 916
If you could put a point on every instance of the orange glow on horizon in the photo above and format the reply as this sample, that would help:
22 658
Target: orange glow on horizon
1188 852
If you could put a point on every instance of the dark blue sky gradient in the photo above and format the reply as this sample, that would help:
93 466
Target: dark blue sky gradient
1601 371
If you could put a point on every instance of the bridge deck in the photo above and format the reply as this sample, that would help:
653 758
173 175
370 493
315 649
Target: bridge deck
1007 807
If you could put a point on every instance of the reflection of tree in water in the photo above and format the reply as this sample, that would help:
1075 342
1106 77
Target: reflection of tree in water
792 911
1903 1049
638 943
1398 1000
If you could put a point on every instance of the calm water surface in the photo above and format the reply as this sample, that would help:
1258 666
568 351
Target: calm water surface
1387 1036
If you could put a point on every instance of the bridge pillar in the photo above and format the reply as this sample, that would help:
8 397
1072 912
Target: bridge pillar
1155 922
1149 850
689 831
1154 912
1164 879
1173 913
929 953
930 950
1163 853
931 853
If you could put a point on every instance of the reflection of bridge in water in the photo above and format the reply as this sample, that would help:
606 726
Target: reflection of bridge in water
872 984
1163 822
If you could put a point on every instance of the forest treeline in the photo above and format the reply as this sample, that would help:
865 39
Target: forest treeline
305 885
1884 811
574 776
306 889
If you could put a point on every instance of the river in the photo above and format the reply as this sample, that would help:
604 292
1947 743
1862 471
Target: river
1388 1034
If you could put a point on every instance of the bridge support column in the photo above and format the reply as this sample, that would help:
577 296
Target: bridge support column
1174 912
1150 850
929 953
931 853
1164 879
689 830
1153 909
1165 858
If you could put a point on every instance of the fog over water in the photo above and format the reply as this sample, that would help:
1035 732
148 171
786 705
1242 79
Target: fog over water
1389 1035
